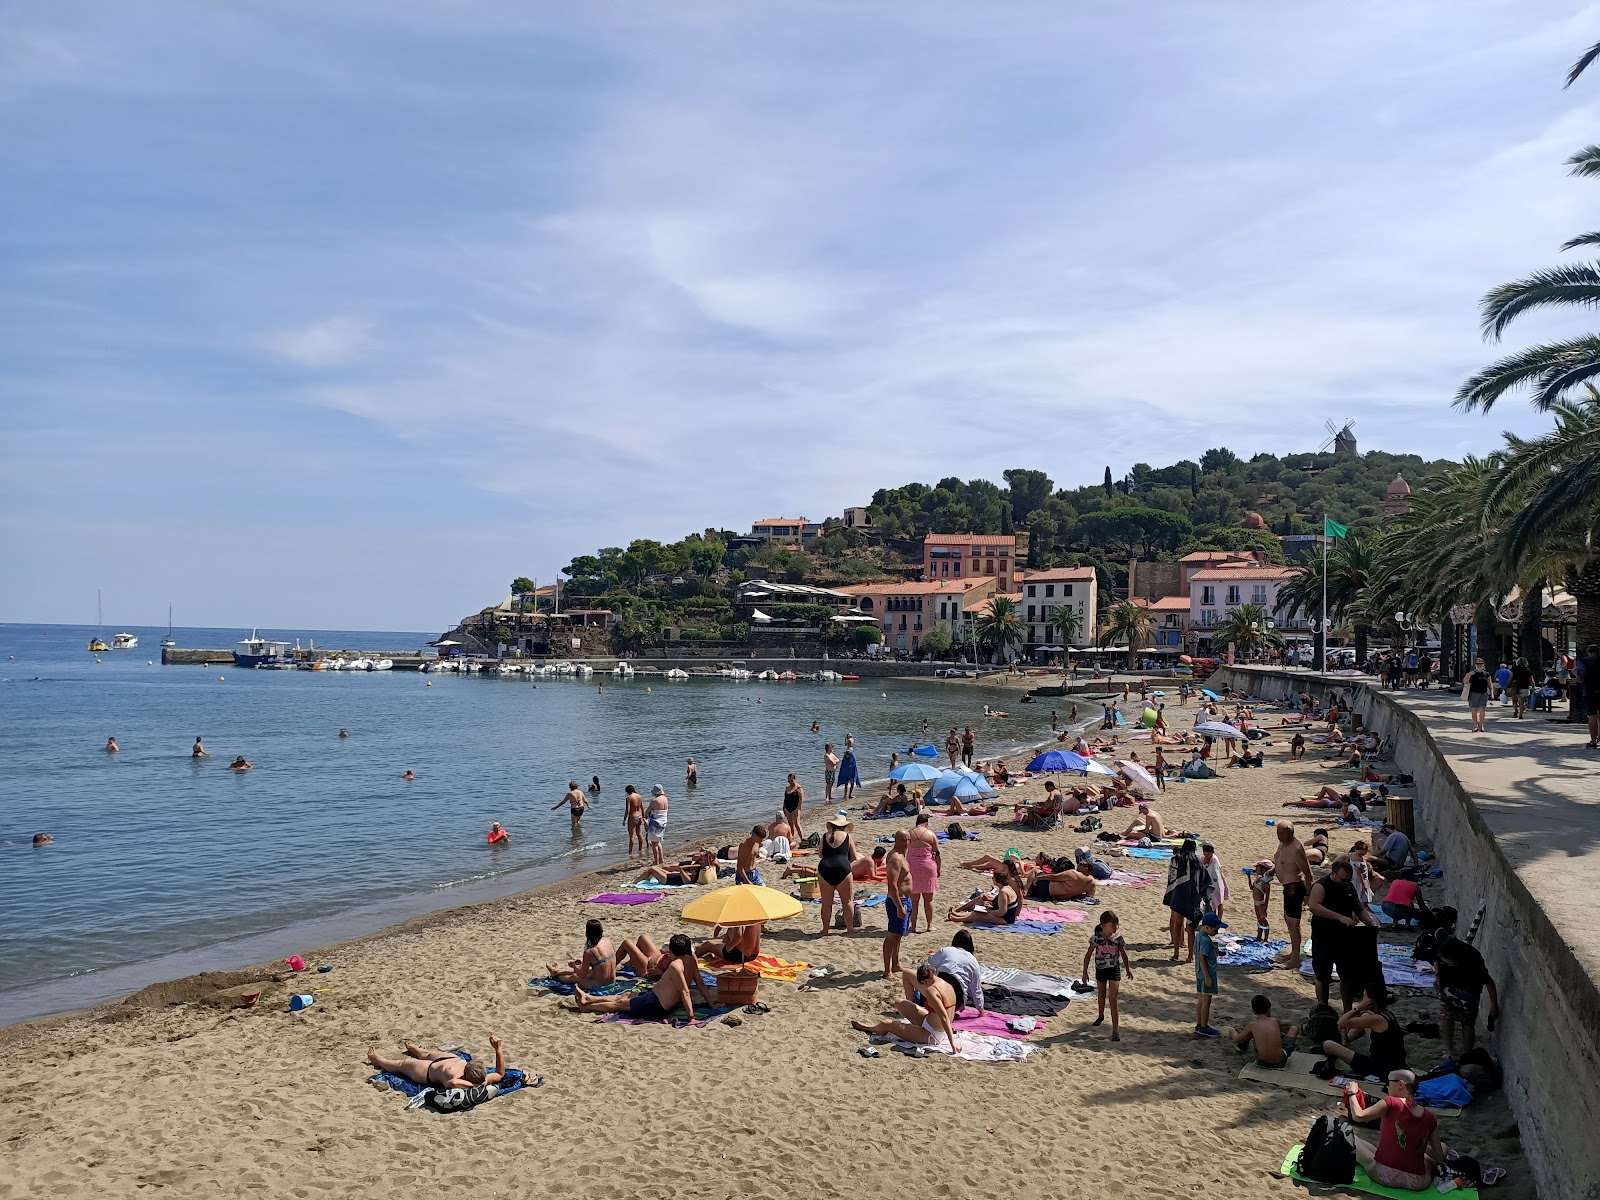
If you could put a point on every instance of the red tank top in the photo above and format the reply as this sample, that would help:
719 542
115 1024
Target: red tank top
1404 1137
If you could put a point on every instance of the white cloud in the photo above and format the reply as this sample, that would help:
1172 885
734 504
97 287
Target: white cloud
332 342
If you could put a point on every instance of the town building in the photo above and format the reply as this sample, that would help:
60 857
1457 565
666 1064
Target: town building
784 529
858 517
1044 592
906 612
965 555
1169 617
1397 498
1215 591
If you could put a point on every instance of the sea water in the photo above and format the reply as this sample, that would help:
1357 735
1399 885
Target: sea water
164 865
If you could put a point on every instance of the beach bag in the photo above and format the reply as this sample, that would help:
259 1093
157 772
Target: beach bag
1322 1024
1329 1155
1478 1067
1088 824
1444 1091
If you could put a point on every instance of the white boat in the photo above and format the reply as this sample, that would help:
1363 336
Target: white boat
676 673
333 664
508 668
768 674
359 664
257 651
169 642
563 668
472 667
825 676
584 669
622 669
124 641
383 664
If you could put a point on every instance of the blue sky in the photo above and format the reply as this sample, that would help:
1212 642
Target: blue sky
340 315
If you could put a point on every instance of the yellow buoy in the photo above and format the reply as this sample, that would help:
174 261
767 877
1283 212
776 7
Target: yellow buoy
430 683
221 677
647 691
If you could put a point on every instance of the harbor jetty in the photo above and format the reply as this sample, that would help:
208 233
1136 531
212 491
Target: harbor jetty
294 659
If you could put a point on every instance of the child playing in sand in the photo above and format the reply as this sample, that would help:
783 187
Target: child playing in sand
1205 973
1274 1039
1110 954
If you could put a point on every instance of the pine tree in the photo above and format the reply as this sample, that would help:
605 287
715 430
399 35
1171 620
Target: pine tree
1107 483
1194 480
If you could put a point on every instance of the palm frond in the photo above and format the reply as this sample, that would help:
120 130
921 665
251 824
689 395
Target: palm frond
1578 68
1583 239
1585 163
1574 284
1550 371
1569 497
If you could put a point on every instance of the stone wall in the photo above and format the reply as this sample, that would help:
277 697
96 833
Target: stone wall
1548 1039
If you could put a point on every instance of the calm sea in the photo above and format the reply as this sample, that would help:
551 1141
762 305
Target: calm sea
164 865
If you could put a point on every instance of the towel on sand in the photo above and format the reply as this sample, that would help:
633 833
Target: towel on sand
1121 878
1247 952
1363 1182
1399 969
872 900
650 885
975 1047
1150 852
1028 982
1034 912
619 898
768 966
617 987
678 1018
1002 999
991 1023
1043 928
384 1080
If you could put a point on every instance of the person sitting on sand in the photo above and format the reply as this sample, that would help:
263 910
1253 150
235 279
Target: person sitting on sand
111 746
925 1024
1344 761
1274 1039
777 848
999 907
684 873
596 966
1297 747
239 764
736 944
894 801
440 1069
679 979
1148 824
1317 849
1037 815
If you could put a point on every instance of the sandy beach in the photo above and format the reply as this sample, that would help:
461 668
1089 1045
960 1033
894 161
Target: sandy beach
177 1091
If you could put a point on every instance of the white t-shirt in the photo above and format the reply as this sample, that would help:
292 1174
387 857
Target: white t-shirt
957 962
777 847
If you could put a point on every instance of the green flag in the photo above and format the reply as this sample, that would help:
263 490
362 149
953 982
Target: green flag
1332 528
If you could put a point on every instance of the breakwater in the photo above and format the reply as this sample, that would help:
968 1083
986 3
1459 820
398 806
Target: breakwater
1514 818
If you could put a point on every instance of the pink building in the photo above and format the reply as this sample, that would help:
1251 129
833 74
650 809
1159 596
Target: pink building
905 612
1216 591
965 555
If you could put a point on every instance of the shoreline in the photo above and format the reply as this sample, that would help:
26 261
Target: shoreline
491 898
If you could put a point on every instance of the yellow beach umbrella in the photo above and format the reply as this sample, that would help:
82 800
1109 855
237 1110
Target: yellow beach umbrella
742 904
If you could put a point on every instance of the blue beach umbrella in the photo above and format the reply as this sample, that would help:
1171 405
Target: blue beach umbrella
925 751
962 787
1209 694
914 773
1056 760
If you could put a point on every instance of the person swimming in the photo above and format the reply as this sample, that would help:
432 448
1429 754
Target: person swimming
44 839
111 745
241 764
344 733
594 784
199 751
498 834
408 775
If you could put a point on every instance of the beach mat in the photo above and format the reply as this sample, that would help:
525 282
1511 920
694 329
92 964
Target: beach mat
650 885
1298 1077
1151 852
1041 928
993 1024
678 1018
619 898
1399 970
1246 952
1028 982
618 987
768 966
975 1047
1133 879
870 900
1067 916
1001 999
1362 1183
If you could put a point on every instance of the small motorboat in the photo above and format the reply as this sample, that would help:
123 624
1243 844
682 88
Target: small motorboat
359 664
124 641
383 664
850 678
677 673
96 646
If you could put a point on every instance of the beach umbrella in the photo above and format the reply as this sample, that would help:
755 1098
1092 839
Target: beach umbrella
1218 729
1209 694
742 904
925 751
1098 768
1138 776
1055 760
962 787
914 773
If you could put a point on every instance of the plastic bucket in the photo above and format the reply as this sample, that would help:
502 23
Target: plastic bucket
300 1001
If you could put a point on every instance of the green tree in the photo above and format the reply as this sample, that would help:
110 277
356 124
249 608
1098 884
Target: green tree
1107 483
1126 622
865 635
1247 629
936 642
1000 629
1351 562
1029 490
1066 623
1218 461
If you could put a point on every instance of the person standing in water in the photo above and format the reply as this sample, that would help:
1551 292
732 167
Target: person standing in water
199 751
655 823
691 777
575 800
633 817
111 745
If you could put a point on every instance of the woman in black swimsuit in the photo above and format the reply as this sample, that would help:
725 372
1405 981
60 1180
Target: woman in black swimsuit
793 797
1007 902
836 855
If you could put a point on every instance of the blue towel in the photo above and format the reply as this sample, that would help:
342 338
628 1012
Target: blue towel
1152 852
1445 1091
616 988
1250 954
872 901
1040 927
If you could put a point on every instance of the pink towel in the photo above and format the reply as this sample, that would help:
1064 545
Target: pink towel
992 1023
1070 916
619 898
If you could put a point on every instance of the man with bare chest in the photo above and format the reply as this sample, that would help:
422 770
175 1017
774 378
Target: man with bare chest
1292 870
897 877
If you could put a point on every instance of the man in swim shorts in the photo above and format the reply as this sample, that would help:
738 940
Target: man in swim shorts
680 978
655 823
745 870
1292 870
897 879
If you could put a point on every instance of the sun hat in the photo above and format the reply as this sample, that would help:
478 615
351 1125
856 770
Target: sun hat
840 821
657 790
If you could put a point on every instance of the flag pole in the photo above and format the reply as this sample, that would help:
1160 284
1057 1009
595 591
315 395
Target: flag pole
1322 664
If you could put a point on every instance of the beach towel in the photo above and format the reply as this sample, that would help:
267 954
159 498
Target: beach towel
975 1047
1002 999
768 966
618 987
993 1024
678 1018
421 1094
1151 852
1245 952
1121 878
1296 1075
1170 843
1017 980
871 900
1042 928
1399 969
619 898
650 885
1363 1183
1032 912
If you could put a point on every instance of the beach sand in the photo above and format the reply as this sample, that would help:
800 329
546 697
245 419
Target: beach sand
175 1092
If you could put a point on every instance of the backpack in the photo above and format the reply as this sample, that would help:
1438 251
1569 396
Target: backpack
1329 1155
1322 1025
1088 824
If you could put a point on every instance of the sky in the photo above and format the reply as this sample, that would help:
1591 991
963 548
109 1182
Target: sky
341 315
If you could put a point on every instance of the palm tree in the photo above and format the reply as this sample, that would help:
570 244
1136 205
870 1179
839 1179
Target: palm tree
1067 623
1247 630
1129 622
1351 560
1000 628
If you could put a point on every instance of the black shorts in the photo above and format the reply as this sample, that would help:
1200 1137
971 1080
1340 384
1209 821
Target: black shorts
1327 952
1108 974
1294 899
1363 1064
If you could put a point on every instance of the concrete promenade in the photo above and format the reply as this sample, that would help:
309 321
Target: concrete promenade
1514 817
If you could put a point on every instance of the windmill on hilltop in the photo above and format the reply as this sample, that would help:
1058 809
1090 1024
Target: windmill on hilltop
1341 439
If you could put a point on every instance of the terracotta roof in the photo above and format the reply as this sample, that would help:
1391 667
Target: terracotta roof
777 521
917 588
969 539
1163 603
983 606
1059 575
1211 556
1244 571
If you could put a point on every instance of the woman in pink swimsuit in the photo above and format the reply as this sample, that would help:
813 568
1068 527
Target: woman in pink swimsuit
922 857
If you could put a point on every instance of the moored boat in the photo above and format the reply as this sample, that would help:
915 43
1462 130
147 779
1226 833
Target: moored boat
256 651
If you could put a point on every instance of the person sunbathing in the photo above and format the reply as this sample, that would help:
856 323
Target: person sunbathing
868 868
596 966
1148 824
1352 759
440 1069
1062 885
926 1024
1326 797
679 979
685 873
